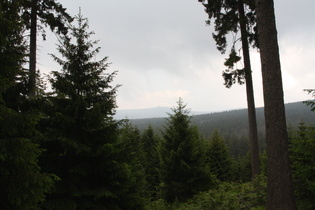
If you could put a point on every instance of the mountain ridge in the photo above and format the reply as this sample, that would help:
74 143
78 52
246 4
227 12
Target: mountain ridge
153 112
296 112
233 125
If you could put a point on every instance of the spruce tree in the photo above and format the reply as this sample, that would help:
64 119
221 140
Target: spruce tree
182 165
23 185
82 136
218 157
133 155
151 161
302 157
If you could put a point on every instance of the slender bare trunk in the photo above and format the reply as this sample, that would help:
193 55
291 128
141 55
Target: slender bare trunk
32 61
280 193
253 136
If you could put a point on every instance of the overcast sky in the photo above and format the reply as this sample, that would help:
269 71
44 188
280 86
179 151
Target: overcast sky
163 50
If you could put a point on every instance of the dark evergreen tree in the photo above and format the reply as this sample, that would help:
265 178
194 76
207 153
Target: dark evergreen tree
302 156
218 157
182 162
48 13
23 185
82 136
231 17
151 161
280 193
133 154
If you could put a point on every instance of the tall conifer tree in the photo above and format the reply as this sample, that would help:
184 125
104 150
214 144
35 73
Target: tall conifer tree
280 193
182 164
48 13
302 157
218 157
82 140
151 161
231 17
23 185
132 153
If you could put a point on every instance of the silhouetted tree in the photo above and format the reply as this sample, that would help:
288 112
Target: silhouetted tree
23 185
82 136
132 153
218 157
48 13
302 156
182 162
230 17
279 180
151 161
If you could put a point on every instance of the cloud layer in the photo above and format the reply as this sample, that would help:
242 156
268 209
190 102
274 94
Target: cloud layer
163 50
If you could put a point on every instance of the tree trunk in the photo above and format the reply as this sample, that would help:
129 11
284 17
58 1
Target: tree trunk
279 180
253 137
32 61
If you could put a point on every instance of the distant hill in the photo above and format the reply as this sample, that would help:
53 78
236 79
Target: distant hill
156 112
234 119
233 125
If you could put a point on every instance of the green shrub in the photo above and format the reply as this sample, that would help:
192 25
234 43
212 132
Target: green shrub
250 195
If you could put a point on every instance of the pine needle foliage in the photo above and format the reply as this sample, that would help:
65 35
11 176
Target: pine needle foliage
301 148
218 157
151 161
23 185
225 17
133 155
182 166
82 137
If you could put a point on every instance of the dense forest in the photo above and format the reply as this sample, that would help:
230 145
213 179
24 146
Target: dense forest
63 148
227 121
233 125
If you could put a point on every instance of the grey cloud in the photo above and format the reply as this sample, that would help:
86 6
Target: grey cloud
147 39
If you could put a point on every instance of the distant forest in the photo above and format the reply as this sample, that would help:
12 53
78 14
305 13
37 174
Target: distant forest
233 125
